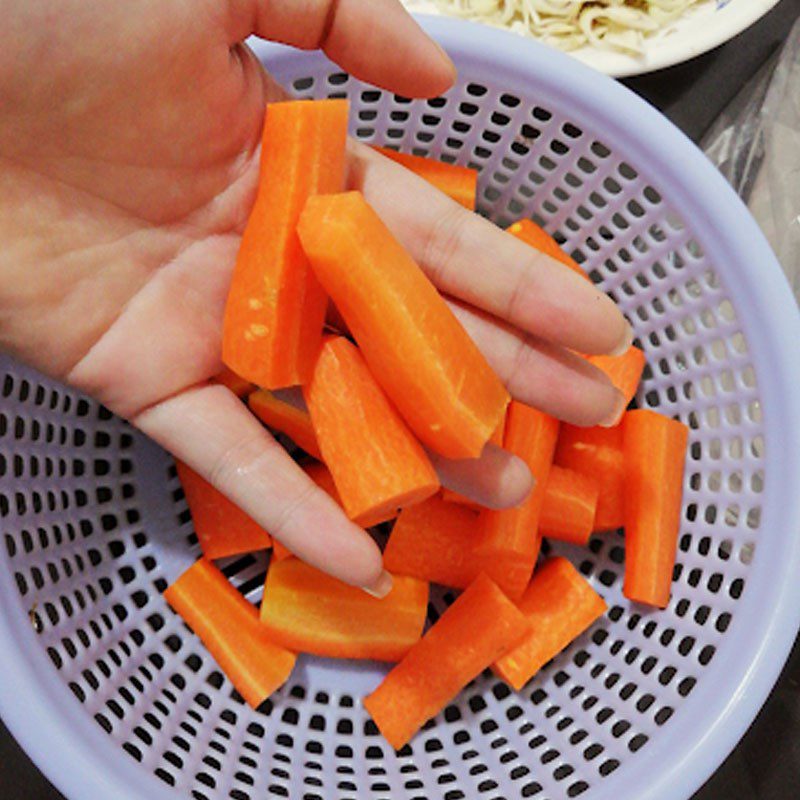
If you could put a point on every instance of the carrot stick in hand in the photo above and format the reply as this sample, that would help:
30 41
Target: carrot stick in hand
230 629
376 463
475 631
655 451
321 475
276 307
415 347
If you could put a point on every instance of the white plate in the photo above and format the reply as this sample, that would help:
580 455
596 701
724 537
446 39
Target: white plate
702 28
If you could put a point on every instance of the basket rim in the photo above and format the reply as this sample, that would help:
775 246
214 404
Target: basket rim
78 757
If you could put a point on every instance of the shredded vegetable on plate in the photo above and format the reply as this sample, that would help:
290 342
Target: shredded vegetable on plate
621 25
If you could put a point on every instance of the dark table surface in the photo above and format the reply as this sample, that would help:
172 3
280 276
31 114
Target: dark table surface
766 764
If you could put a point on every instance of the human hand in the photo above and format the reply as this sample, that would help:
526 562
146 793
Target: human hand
128 166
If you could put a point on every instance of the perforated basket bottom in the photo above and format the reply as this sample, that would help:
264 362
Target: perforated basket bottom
95 525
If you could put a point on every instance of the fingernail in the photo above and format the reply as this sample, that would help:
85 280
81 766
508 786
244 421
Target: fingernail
625 343
381 587
616 415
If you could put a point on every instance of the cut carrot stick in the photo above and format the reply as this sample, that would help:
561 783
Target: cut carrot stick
459 183
321 475
376 463
415 347
276 307
597 453
239 386
456 497
475 631
509 540
435 541
655 451
625 371
222 528
538 238
286 418
559 605
230 628
568 509
307 611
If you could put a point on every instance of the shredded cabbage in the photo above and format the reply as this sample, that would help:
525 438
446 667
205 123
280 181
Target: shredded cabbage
620 25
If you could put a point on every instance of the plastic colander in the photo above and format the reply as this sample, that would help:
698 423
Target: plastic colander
114 697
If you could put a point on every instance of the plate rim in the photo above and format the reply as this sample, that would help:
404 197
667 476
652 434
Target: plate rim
735 17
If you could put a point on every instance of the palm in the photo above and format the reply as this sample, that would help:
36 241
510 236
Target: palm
151 173
130 168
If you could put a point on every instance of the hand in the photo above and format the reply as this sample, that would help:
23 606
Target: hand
128 166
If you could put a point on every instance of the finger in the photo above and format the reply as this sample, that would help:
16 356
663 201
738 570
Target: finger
471 259
498 479
375 40
215 434
552 379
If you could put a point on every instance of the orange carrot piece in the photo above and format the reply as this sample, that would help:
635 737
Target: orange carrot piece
538 238
376 463
624 371
435 541
239 386
222 528
321 475
415 347
284 417
475 631
509 540
559 605
655 451
458 183
230 628
596 453
456 497
310 612
276 307
568 509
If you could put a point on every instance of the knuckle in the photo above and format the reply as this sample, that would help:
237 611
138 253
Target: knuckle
443 242
287 514
243 456
520 291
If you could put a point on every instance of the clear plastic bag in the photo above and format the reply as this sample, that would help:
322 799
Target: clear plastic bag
755 143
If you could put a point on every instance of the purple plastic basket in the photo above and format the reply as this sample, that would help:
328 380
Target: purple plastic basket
112 695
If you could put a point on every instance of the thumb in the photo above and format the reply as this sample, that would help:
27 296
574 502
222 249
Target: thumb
375 40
